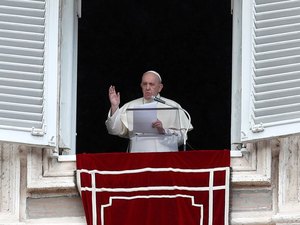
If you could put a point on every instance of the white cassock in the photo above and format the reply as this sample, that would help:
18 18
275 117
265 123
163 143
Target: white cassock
175 123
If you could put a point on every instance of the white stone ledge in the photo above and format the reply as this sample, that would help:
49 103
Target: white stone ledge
59 183
57 221
265 218
252 218
248 178
290 218
9 219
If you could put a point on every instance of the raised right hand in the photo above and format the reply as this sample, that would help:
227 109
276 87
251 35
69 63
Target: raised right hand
114 98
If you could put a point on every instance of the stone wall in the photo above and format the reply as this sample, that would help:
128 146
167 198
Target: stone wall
38 188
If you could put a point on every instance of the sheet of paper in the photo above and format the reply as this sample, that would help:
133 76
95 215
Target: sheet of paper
143 117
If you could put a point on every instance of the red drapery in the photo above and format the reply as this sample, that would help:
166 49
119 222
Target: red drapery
176 188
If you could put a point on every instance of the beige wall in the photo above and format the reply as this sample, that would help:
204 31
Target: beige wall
36 188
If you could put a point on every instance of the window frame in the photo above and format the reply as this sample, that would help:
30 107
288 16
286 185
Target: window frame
243 84
59 84
46 136
70 11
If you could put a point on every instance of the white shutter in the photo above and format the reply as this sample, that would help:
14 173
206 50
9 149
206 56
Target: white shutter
28 71
270 68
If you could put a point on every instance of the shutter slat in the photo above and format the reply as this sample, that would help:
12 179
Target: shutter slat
22 19
277 46
13 74
277 86
21 91
278 38
278 119
277 77
276 94
20 99
277 14
275 6
19 124
21 107
277 102
21 67
21 43
271 31
21 59
275 110
277 22
22 11
283 61
260 2
21 115
24 4
22 27
277 54
277 70
30 36
21 51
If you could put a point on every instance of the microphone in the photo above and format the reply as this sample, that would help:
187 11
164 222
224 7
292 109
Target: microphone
155 98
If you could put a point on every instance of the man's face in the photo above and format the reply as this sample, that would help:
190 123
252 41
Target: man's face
150 85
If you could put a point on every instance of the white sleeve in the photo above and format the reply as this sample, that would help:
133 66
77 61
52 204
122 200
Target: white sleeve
178 133
114 124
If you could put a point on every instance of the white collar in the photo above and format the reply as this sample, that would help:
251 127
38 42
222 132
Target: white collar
150 100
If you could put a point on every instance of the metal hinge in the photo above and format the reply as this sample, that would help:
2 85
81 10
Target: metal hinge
257 128
37 132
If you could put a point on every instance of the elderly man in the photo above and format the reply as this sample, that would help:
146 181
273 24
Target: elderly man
170 132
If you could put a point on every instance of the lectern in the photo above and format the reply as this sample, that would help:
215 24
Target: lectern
144 137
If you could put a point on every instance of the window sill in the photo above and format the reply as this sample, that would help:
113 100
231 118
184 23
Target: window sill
66 158
72 158
236 154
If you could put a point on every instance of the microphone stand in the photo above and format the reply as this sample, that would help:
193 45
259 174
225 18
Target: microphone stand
185 133
188 115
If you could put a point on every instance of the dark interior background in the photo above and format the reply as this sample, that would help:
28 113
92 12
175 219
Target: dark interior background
187 42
